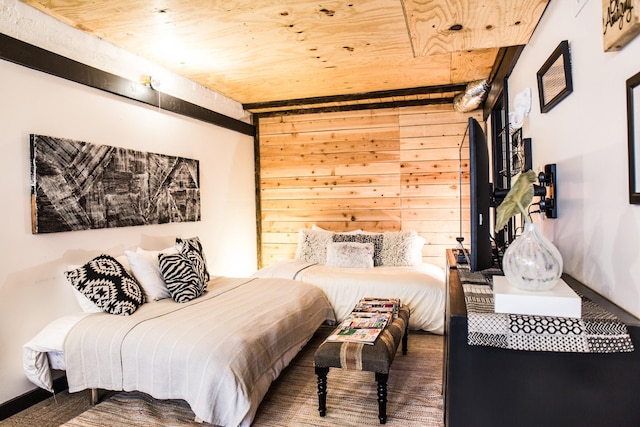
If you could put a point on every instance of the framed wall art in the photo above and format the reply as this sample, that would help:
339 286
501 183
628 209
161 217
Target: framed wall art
77 185
554 78
620 23
633 129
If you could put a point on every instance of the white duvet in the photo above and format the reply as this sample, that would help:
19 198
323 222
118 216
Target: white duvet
420 287
219 352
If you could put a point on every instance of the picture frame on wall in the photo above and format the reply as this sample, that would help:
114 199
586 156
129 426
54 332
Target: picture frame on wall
554 78
78 185
633 129
620 23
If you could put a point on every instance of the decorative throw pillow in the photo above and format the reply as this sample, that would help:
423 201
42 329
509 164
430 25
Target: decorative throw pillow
192 249
182 277
401 248
145 268
86 305
105 282
375 238
312 245
350 254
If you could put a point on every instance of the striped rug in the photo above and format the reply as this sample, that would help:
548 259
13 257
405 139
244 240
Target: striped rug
414 398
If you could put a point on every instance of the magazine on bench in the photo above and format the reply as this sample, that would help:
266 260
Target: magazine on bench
367 320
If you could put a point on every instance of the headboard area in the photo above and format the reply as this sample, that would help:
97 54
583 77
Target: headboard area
374 170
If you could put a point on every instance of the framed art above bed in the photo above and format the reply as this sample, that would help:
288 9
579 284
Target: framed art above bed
78 185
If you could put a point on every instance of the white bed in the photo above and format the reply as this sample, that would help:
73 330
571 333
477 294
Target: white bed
219 352
421 287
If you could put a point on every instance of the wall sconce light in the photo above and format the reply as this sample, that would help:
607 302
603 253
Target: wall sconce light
547 191
521 108
151 82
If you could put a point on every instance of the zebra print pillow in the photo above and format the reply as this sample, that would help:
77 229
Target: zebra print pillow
184 280
192 249
104 281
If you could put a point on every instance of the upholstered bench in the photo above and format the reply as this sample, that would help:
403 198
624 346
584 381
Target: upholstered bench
375 358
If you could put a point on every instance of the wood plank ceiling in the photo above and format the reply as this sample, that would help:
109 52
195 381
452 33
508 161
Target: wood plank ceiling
263 53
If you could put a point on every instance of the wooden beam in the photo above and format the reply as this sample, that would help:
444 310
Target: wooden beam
39 59
356 107
506 61
423 90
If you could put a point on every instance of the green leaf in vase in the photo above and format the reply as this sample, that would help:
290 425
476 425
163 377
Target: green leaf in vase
519 196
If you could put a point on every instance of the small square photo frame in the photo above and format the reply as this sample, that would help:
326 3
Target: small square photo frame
554 78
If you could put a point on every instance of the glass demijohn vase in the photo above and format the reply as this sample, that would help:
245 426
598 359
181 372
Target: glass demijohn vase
532 262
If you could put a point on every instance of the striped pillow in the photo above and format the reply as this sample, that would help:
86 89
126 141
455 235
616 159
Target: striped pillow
192 249
183 279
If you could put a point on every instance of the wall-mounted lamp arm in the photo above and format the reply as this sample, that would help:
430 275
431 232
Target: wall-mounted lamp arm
547 191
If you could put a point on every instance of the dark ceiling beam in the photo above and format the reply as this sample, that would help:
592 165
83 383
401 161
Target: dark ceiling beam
353 107
423 90
502 68
39 59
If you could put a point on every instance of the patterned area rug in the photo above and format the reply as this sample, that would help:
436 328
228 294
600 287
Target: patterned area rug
414 399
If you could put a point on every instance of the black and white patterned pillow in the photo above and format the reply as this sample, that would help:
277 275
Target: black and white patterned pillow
104 281
374 238
182 277
192 249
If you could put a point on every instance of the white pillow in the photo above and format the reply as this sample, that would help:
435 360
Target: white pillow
146 269
125 262
401 248
350 254
312 245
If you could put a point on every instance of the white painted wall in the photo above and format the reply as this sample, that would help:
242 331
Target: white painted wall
33 290
32 26
597 230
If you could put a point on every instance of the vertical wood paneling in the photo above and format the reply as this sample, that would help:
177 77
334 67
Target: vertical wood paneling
377 170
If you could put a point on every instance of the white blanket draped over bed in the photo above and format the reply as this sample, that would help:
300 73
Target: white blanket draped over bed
420 287
219 352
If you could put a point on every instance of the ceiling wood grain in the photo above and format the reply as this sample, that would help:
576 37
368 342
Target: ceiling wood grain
257 51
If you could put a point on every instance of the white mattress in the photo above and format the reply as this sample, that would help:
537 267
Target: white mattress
420 287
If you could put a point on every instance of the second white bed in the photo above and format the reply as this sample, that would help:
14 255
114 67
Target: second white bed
420 287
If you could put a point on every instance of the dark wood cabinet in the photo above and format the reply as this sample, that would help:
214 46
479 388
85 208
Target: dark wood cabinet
492 387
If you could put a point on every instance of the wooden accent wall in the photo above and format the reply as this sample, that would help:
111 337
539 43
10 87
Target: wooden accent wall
375 170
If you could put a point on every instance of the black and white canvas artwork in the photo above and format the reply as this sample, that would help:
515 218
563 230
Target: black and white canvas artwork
77 185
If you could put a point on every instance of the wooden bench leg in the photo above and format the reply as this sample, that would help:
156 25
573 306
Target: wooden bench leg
322 390
405 341
382 396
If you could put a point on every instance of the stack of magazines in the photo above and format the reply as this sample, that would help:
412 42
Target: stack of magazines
367 320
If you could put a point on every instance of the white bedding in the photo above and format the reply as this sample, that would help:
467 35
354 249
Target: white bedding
219 352
37 354
420 287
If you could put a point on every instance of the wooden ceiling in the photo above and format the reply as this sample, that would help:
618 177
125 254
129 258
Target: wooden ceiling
261 53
